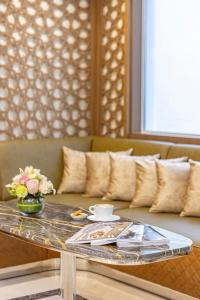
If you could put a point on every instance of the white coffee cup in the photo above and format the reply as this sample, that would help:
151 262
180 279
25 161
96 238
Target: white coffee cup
102 212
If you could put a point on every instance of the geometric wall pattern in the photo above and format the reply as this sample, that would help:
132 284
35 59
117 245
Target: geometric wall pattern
113 67
45 68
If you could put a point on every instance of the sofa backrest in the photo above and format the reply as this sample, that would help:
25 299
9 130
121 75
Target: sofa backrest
191 151
44 154
141 147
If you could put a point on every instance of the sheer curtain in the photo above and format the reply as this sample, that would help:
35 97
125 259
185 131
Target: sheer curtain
172 66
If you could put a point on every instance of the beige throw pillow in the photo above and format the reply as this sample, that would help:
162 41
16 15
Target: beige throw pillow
98 172
147 182
192 199
123 176
172 186
74 173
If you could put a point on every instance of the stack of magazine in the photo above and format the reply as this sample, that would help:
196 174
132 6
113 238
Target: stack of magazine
141 236
124 234
99 233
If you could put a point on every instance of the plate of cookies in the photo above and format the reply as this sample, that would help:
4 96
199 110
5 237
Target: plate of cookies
78 215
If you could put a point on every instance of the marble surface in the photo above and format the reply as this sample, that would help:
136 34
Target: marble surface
54 225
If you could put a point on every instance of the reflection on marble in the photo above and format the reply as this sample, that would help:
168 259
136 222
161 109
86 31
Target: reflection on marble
44 295
38 296
54 225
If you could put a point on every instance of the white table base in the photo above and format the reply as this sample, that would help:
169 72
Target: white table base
68 276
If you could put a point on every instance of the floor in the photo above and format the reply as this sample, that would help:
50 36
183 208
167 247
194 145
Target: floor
45 285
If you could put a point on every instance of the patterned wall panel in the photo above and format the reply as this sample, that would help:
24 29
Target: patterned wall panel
45 65
113 67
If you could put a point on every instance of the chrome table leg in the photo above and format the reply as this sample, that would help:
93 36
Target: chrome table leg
68 276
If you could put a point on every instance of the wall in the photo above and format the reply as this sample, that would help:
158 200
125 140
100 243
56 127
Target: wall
45 59
113 67
62 61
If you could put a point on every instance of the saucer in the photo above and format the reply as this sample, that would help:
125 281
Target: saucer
111 218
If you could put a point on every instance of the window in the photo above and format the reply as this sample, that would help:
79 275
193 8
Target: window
171 66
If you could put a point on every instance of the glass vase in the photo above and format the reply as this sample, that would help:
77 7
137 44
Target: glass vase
31 204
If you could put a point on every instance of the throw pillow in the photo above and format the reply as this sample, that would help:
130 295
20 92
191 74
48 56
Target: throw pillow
192 199
147 182
98 172
172 186
74 173
123 176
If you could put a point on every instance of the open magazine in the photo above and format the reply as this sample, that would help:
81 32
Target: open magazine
141 236
99 233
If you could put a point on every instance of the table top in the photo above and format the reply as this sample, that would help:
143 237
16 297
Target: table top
54 225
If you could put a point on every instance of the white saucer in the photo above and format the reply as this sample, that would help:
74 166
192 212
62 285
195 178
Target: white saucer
112 218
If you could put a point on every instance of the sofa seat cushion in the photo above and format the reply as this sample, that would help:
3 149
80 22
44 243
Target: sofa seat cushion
78 200
187 226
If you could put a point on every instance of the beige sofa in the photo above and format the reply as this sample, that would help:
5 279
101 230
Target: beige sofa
179 274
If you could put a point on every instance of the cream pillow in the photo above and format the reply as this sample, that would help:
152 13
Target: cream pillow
98 172
123 176
172 186
74 173
147 182
192 199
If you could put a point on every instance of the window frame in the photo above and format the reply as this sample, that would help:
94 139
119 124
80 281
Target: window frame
137 73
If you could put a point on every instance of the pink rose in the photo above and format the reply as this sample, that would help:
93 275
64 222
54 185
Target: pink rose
24 179
32 186
20 179
43 187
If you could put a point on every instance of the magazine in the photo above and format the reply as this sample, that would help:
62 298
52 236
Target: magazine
141 236
99 233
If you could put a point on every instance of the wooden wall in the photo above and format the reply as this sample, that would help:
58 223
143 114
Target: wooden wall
112 67
63 68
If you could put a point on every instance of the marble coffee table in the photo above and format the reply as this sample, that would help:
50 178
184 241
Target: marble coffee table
54 225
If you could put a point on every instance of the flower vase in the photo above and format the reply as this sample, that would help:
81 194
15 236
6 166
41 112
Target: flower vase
31 204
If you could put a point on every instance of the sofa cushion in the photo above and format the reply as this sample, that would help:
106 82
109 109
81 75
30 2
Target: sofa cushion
173 178
192 198
98 171
123 176
78 200
147 182
74 172
45 154
140 147
189 227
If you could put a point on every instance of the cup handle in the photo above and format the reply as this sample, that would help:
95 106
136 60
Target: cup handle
91 209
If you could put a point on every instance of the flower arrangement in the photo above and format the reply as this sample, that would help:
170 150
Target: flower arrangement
29 182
